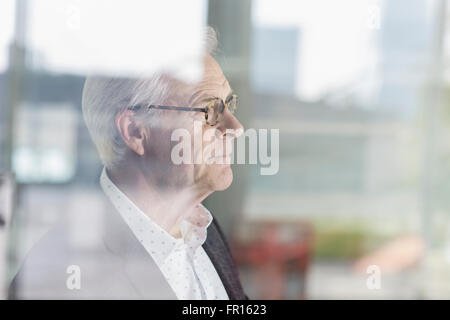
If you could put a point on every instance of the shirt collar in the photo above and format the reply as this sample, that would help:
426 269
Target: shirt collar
157 241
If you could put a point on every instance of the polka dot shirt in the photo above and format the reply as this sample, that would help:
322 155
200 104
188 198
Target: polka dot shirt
183 261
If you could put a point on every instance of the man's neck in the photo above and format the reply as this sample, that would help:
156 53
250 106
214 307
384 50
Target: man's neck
166 207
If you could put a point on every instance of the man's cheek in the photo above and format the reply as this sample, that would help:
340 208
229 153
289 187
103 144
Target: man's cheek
209 154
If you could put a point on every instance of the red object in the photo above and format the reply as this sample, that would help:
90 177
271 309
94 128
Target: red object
272 255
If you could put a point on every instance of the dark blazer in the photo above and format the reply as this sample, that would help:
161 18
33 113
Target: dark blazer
116 266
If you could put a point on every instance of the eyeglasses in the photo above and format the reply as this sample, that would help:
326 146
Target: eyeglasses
213 110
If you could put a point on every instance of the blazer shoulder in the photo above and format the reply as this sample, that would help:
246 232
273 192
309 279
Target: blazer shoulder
61 253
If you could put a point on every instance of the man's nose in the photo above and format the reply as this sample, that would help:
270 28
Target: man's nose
230 126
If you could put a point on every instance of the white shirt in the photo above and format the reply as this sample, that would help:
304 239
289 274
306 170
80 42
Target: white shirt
183 261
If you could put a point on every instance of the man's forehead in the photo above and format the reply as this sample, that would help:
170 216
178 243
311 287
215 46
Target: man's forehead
211 88
213 73
211 64
213 84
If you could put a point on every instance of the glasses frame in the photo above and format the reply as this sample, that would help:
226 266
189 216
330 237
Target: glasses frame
210 105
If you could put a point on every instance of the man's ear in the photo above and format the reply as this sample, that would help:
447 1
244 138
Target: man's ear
132 133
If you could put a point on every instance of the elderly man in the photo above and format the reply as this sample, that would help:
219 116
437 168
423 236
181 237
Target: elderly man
158 240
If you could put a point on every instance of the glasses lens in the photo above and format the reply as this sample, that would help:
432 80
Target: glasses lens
232 103
215 109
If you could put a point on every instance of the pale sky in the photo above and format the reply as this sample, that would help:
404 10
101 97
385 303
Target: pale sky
116 36
336 39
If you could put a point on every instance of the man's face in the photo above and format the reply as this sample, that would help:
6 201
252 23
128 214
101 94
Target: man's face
209 168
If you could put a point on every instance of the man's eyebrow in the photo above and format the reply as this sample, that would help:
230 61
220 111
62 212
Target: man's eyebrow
229 94
201 96
206 97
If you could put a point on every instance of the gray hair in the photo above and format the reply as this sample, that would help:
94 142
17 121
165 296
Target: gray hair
106 97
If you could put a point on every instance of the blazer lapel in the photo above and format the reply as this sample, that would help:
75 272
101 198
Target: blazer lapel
218 251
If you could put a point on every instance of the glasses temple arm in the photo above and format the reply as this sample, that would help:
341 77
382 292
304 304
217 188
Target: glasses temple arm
152 106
